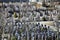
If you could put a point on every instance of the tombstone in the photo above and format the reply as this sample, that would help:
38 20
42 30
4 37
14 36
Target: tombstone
48 33
45 28
18 37
52 35
16 34
42 37
6 36
0 36
41 14
32 36
42 25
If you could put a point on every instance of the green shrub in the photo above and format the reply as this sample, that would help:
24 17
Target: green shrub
13 38
58 17
15 15
44 19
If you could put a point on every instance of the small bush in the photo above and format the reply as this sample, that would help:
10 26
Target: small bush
13 38
44 19
15 15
